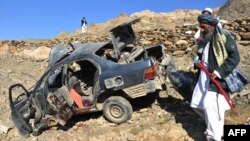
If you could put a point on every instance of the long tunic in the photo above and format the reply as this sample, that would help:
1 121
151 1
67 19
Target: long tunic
201 96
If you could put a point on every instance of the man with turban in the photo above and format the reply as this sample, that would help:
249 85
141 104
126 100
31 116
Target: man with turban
206 11
218 52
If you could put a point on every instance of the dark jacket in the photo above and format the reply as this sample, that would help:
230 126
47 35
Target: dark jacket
83 21
229 64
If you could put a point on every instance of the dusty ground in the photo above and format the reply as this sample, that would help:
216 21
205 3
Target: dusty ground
169 118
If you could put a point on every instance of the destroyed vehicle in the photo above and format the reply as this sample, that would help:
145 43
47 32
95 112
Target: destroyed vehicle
90 77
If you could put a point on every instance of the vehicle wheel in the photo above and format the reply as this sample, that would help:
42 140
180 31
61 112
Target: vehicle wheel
117 109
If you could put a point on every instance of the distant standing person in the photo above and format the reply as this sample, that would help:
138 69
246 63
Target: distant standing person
84 24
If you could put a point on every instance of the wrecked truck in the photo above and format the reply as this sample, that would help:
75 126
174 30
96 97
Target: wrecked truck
90 77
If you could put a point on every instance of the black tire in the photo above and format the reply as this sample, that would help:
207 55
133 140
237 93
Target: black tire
117 109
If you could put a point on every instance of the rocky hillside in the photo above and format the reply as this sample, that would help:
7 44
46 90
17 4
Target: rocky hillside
168 119
233 8
174 32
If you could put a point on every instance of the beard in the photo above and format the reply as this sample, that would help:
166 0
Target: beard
207 35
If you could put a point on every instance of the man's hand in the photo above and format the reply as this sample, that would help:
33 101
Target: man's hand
213 76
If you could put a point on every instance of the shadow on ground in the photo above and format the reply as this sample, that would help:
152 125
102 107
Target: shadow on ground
184 82
184 115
